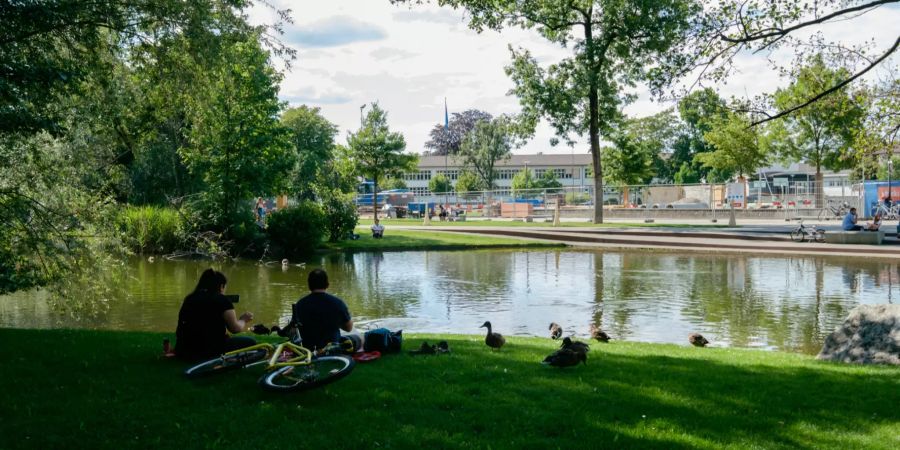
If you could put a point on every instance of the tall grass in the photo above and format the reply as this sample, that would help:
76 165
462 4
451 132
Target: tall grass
151 229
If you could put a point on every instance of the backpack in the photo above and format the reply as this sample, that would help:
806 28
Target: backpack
383 340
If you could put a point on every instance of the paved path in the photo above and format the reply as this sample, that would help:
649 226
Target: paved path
769 239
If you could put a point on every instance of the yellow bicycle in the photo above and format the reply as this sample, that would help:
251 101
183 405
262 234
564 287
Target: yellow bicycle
289 366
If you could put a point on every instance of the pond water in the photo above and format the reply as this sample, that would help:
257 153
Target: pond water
787 303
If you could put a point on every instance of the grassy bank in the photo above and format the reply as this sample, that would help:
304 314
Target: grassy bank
537 223
431 240
90 389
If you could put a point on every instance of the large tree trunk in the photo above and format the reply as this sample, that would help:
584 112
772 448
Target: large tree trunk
594 129
374 197
820 189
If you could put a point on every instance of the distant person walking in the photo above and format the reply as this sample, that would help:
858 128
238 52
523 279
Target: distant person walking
850 221
260 212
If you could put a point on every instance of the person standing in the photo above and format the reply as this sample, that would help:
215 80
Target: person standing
206 317
320 316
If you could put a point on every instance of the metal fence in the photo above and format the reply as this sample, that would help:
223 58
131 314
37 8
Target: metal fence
790 200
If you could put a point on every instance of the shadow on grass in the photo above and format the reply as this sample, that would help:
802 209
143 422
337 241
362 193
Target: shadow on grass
112 389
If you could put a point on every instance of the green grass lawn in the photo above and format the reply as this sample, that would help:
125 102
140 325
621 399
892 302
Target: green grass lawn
93 389
537 223
431 240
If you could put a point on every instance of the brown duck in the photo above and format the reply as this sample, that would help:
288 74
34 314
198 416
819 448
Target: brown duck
493 340
565 358
575 346
598 334
697 340
555 330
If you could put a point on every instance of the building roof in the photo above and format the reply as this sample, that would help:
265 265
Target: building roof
535 160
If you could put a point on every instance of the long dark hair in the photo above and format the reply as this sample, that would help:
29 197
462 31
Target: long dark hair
210 281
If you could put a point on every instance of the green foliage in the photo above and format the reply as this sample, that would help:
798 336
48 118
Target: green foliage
312 137
297 230
467 182
448 140
738 147
523 180
393 183
490 141
152 229
630 160
614 45
548 180
377 152
440 184
821 133
341 216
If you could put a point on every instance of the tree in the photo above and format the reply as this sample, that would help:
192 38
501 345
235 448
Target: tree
757 26
312 136
615 43
447 140
548 181
239 148
738 148
629 161
377 152
393 183
439 184
523 180
467 182
821 133
490 141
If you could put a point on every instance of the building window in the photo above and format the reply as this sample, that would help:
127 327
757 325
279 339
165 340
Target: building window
450 174
422 175
562 173
420 191
506 174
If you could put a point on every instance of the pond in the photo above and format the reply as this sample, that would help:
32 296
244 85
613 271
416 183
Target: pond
772 302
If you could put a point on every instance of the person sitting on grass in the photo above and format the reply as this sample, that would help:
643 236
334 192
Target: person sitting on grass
876 223
377 230
850 220
320 315
205 317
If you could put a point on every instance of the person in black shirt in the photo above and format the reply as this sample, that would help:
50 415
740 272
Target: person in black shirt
205 316
320 315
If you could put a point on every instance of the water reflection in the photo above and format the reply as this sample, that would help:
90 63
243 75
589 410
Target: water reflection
746 301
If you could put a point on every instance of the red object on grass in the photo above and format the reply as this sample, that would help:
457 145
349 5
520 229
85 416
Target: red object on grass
366 356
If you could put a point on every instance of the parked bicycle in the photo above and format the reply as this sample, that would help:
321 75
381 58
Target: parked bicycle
888 211
804 232
289 366
834 210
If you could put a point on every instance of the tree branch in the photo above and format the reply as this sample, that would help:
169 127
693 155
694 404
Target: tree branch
745 38
833 88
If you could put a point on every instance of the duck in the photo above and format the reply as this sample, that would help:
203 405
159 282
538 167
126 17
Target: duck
697 340
424 349
575 346
260 329
285 262
443 347
150 259
598 334
565 358
556 331
493 340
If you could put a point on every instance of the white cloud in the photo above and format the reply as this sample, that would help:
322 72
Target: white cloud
411 59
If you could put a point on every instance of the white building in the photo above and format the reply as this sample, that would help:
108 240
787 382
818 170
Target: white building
570 170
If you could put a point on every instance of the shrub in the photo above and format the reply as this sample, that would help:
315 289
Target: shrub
299 229
151 229
218 233
341 216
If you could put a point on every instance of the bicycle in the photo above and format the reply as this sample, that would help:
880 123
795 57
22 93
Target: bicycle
888 211
289 366
802 232
834 212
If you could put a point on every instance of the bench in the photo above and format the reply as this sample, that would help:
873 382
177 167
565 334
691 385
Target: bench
854 237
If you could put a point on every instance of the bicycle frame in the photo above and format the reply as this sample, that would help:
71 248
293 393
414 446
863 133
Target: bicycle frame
304 356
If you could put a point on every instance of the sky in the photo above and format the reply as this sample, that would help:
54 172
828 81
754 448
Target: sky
354 52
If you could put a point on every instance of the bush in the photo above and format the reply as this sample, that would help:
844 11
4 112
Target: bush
151 229
297 230
341 216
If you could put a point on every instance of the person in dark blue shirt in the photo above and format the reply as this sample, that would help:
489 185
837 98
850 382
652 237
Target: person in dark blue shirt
320 316
850 220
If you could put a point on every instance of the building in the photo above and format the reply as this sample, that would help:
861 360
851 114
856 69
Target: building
571 170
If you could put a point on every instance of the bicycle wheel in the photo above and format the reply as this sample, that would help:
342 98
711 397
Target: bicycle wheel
820 235
320 371
226 363
798 235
